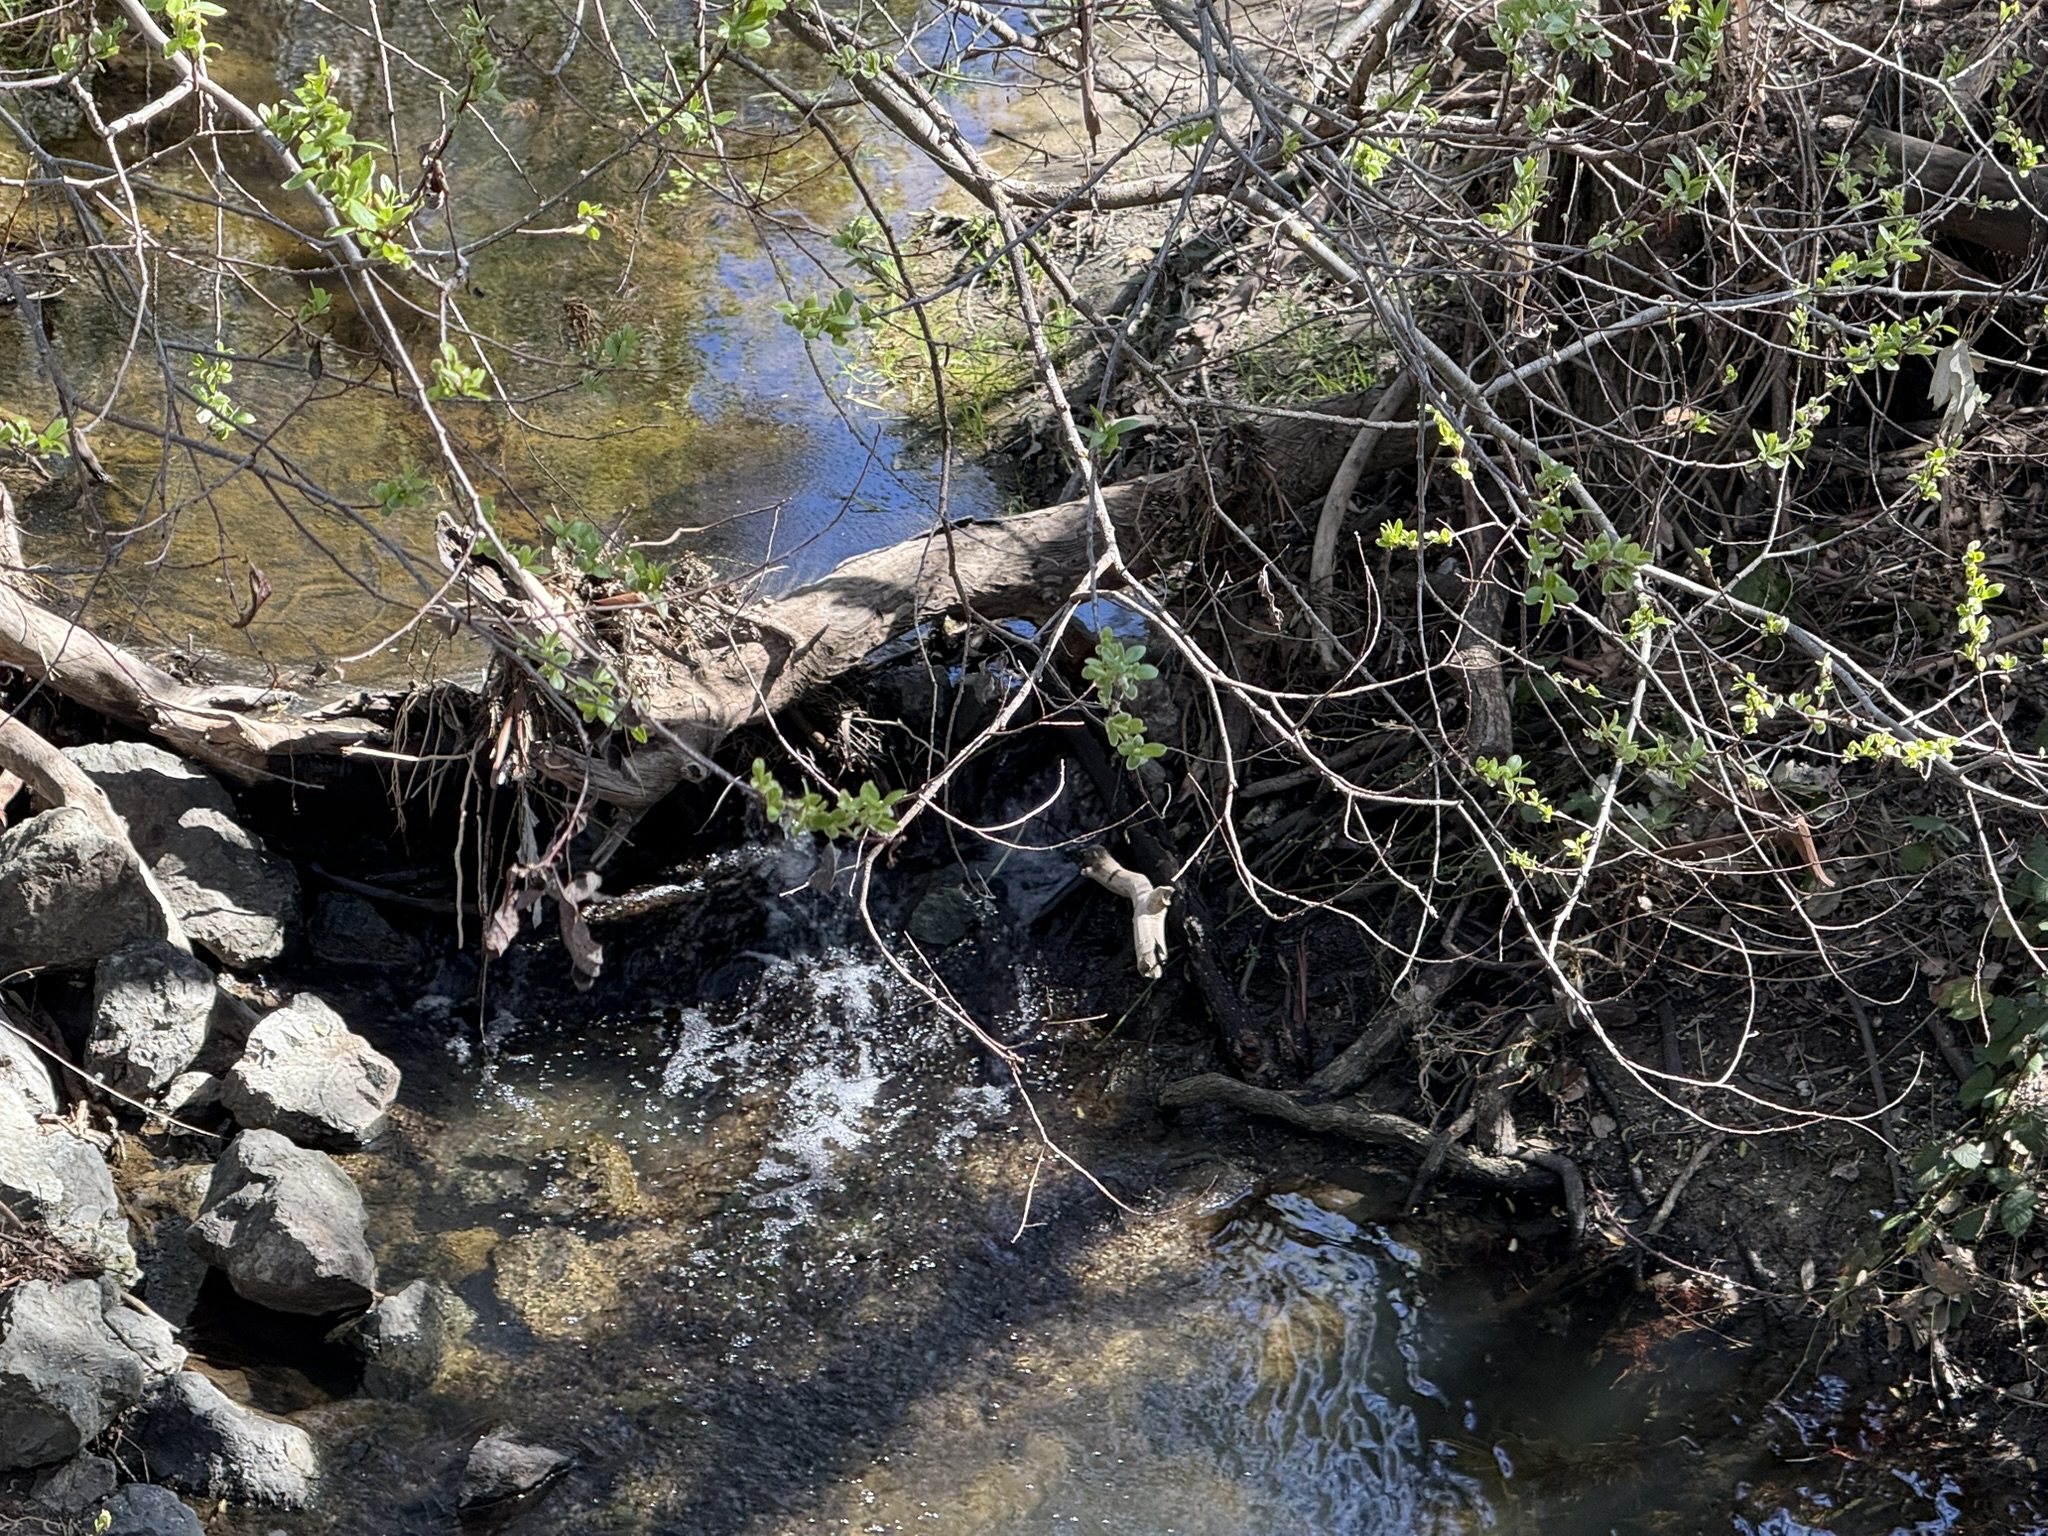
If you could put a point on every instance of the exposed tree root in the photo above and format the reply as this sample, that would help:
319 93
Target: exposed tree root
1532 1170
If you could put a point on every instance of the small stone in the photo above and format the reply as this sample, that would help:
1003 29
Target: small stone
151 1004
64 1375
307 1075
197 1439
143 1509
68 893
404 1340
75 1486
286 1224
501 1466
236 899
945 916
348 930
48 1174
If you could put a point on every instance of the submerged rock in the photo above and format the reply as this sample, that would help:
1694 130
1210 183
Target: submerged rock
286 1225
348 930
48 1174
76 1486
306 1074
235 898
151 1004
502 1466
64 1375
143 1509
68 893
195 1438
404 1340
555 1280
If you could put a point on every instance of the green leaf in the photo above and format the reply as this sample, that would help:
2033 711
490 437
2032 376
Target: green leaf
2017 1210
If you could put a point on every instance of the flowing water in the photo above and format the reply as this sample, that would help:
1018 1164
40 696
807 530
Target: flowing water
765 1247
774 1254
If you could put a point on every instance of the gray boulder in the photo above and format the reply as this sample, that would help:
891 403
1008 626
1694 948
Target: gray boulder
68 893
48 1174
151 1004
148 1337
235 898
189 1096
404 1340
63 1373
76 1486
143 1509
286 1224
195 1438
25 1076
306 1074
348 930
502 1466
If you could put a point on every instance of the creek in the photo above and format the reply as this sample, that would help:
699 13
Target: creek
770 1251
765 1245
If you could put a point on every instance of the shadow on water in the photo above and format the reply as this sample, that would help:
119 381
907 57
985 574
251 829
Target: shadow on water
765 1247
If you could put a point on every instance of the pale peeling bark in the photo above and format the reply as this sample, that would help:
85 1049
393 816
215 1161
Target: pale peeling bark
1148 908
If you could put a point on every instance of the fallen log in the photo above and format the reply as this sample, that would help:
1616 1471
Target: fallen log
1021 567
1972 196
766 657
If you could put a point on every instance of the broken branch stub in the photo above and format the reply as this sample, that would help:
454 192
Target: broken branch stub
1148 908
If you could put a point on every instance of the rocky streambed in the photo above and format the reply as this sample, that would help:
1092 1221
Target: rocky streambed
203 1082
320 1230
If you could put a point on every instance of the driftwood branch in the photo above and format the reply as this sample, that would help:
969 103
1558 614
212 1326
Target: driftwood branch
1389 1027
1322 565
1148 907
219 726
1525 1172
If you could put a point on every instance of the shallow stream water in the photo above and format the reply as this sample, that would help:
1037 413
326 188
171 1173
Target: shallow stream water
723 428
769 1250
774 1254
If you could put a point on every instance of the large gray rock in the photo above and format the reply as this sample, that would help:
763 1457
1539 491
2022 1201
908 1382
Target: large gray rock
502 1466
76 1486
63 1373
306 1074
143 1509
404 1340
195 1438
238 900
151 1004
286 1224
148 1337
348 930
48 1174
68 893
25 1075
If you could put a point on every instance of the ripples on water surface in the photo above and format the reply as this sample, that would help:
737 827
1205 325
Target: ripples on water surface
776 1257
